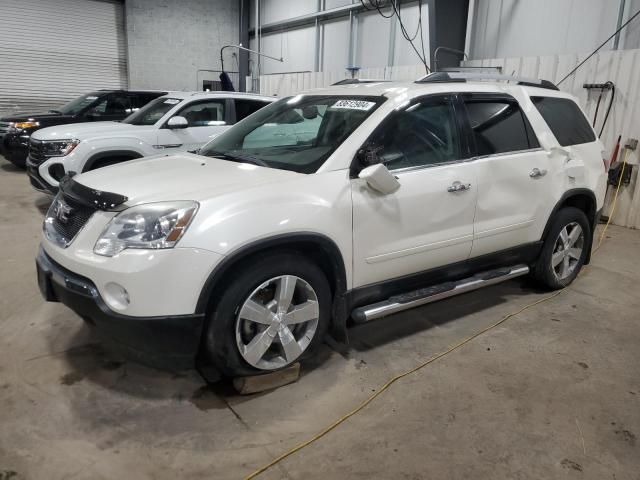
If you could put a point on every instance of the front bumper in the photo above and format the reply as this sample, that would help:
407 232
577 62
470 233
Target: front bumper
161 341
37 182
15 146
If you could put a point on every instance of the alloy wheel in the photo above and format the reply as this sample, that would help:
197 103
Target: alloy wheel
567 250
277 322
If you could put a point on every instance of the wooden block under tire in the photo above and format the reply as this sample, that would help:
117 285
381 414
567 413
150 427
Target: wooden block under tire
267 381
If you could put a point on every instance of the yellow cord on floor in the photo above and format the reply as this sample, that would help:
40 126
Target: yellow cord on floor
394 379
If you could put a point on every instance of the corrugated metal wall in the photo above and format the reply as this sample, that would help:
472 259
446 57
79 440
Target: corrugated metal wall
284 84
52 51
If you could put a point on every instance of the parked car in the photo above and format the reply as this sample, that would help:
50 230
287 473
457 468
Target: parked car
16 129
175 122
351 202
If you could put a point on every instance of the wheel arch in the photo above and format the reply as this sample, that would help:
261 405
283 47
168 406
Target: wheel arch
582 199
320 248
129 154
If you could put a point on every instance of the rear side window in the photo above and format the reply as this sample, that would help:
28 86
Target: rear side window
565 120
499 126
244 108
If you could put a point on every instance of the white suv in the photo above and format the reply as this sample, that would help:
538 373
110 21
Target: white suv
175 122
341 204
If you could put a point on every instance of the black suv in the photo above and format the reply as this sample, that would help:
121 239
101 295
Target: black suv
101 105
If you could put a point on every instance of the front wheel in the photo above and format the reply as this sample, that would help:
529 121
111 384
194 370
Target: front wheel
565 249
273 313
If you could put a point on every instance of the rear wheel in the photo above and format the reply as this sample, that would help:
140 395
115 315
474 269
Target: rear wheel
565 249
275 312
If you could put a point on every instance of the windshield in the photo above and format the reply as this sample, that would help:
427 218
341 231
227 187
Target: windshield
76 106
297 133
152 111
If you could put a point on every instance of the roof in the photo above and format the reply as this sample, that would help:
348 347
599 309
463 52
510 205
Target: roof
411 89
197 95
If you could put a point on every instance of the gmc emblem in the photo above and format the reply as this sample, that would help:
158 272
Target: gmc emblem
62 211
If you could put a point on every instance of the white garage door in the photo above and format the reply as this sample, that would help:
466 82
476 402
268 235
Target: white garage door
54 50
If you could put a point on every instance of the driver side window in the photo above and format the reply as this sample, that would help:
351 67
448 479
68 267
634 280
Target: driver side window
423 134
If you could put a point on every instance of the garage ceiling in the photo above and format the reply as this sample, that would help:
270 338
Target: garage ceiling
53 51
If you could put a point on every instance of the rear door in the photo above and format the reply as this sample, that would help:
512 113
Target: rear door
515 175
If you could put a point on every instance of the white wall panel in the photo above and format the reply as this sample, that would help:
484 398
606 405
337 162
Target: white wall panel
514 28
336 45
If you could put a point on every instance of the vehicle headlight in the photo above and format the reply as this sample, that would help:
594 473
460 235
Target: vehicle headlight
153 226
23 125
59 148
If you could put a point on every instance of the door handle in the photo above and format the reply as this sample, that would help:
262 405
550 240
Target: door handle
537 172
458 187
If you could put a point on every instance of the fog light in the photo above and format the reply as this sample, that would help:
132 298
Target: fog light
116 296
56 171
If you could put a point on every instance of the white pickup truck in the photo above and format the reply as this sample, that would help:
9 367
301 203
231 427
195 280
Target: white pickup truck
179 121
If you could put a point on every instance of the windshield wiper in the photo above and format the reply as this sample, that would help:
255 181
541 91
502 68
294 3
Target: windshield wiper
239 158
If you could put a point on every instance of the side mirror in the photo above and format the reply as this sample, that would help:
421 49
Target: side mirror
380 179
177 122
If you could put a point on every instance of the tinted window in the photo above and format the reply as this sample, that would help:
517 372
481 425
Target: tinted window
424 133
76 106
139 100
152 112
499 126
244 108
565 120
203 114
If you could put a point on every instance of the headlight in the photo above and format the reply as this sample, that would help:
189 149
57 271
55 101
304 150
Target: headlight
153 225
59 148
23 125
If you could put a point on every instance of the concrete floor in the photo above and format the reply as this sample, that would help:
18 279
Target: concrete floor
551 393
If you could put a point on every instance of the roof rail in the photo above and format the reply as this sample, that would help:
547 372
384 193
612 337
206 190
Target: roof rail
225 92
351 81
446 77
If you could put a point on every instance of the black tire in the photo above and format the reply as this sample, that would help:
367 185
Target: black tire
544 272
219 347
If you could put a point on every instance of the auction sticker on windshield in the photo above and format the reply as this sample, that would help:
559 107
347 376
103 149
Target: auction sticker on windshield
353 104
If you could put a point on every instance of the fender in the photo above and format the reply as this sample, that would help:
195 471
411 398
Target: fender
592 214
329 252
110 153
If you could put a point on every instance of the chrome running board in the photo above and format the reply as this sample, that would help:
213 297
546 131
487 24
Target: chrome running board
405 301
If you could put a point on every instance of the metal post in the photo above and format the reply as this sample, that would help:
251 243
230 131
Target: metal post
316 59
353 38
243 56
616 40
257 30
391 54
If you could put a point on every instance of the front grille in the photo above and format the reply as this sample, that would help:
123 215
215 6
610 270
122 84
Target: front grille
65 219
37 153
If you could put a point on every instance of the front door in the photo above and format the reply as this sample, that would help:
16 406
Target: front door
515 176
206 119
428 221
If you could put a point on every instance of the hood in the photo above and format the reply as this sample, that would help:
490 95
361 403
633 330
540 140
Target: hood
183 176
84 131
24 116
